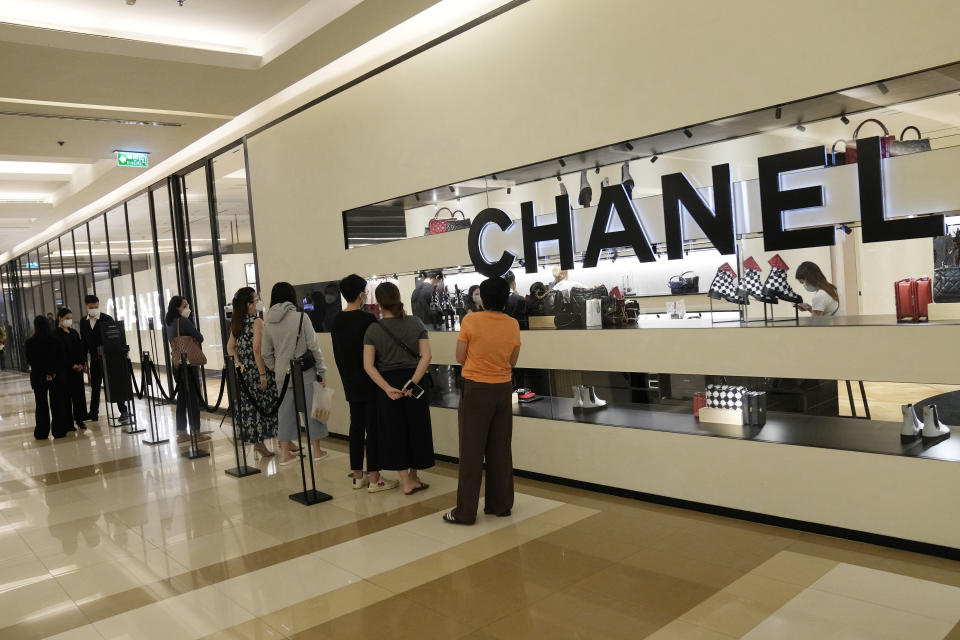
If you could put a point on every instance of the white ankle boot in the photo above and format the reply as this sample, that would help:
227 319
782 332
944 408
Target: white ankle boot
912 426
932 427
595 402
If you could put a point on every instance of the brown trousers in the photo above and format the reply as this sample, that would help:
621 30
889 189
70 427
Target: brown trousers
486 430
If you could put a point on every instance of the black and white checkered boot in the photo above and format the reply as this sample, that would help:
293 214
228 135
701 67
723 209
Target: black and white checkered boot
777 285
724 286
750 283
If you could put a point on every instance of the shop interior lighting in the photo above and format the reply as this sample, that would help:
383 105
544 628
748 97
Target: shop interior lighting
688 133
778 112
801 128
562 162
452 190
417 197
563 189
654 158
844 119
628 146
883 88
597 168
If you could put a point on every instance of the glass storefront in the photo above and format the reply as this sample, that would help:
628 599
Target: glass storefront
139 254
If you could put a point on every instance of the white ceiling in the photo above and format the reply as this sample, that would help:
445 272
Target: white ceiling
254 27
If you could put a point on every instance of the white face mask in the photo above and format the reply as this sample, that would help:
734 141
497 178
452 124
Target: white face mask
67 323
94 313
260 306
185 312
476 299
329 298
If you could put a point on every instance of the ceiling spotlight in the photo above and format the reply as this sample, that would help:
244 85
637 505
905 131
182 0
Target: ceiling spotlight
494 176
628 146
452 190
688 133
563 189
509 190
847 230
654 158
778 112
801 128
562 163
597 168
395 277
883 88
616 254
417 197
558 176
844 119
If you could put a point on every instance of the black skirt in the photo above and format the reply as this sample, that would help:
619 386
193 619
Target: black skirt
404 432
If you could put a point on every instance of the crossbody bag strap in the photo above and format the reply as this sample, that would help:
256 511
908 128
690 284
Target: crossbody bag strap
403 345
299 331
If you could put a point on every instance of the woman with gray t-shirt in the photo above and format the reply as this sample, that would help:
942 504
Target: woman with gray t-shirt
396 351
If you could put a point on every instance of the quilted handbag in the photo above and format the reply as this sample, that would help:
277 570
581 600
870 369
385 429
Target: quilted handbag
570 316
186 345
903 147
543 301
850 151
725 396
683 283
946 271
444 222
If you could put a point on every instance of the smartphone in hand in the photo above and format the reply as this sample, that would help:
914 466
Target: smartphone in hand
416 390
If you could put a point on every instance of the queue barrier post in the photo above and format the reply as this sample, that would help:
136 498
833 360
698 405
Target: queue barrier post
310 496
242 469
189 395
146 368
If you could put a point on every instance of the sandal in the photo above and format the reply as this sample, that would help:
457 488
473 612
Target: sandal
449 518
423 486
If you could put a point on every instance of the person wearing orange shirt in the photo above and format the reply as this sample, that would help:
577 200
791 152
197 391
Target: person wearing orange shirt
488 348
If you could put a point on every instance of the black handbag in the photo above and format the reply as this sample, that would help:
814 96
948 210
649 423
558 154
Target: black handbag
682 284
543 301
569 317
307 360
946 271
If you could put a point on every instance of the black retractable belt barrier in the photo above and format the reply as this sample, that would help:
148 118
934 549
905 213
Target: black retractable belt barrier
130 418
188 394
146 370
116 380
307 496
242 469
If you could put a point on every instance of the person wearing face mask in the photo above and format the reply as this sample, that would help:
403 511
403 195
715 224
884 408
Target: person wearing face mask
44 355
258 386
68 387
91 333
826 299
474 302
178 323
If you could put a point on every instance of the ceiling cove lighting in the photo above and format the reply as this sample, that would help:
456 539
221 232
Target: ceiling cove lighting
57 116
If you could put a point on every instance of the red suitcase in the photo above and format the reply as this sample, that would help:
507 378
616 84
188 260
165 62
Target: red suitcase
912 297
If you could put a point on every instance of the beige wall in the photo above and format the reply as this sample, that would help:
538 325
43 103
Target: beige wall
553 77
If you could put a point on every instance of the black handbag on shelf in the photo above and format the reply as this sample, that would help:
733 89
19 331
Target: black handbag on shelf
946 271
569 317
543 301
682 284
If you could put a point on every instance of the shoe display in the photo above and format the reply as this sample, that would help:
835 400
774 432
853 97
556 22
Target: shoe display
777 285
383 485
526 396
912 426
586 398
933 429
595 402
751 285
724 286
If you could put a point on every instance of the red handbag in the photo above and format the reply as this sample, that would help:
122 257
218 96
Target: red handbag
912 297
850 150
448 222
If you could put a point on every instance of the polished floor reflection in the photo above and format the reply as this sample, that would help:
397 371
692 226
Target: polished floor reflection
104 537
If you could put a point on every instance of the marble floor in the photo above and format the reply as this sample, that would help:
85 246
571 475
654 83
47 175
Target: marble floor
105 537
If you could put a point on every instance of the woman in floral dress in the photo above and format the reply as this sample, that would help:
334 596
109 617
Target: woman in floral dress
256 382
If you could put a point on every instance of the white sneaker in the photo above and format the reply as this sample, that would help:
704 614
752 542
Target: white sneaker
383 485
361 482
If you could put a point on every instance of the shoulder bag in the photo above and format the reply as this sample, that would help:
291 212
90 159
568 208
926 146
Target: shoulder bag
427 377
186 345
946 268
682 284
307 360
447 223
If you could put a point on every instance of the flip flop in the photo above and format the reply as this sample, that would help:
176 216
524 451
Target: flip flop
423 486
450 519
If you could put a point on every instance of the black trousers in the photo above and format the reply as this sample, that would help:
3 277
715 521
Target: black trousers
42 395
61 405
78 397
96 382
363 435
486 433
187 400
404 433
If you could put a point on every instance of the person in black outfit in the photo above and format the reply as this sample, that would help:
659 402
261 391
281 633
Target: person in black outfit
423 296
516 303
178 324
91 332
347 331
43 356
73 358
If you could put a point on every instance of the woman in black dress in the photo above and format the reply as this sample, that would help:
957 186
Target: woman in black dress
69 382
43 356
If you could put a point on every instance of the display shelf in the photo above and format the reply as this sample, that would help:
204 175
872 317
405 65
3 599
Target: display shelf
847 434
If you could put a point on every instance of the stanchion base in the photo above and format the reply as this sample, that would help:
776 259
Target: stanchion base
193 455
145 441
133 430
241 472
310 497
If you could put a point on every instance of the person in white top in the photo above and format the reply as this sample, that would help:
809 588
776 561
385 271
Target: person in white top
562 283
826 300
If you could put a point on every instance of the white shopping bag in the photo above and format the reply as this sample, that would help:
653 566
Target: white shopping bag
322 402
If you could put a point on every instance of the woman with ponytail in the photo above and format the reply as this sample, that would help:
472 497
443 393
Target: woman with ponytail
256 402
396 354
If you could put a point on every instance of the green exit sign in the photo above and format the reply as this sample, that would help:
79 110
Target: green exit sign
132 159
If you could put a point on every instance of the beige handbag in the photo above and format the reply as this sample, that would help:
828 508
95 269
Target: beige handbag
186 345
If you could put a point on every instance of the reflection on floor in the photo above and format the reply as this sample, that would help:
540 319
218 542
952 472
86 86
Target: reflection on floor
103 537
886 398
